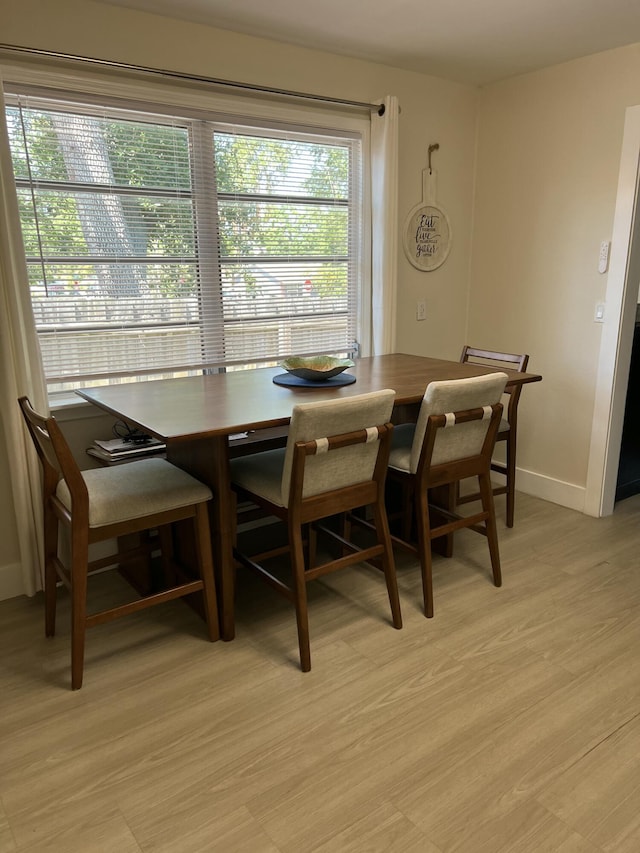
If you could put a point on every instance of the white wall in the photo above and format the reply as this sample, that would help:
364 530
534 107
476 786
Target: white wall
548 160
432 111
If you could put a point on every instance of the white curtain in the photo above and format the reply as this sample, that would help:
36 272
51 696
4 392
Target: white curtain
384 238
20 373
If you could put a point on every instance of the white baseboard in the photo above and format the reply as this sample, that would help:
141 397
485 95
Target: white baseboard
11 581
550 489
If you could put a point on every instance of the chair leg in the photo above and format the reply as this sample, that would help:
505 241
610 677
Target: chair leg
445 497
424 549
165 535
300 595
79 564
346 528
486 493
457 493
205 562
388 563
312 545
50 574
511 478
407 515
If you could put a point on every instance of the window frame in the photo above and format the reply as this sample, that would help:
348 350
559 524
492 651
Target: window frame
154 99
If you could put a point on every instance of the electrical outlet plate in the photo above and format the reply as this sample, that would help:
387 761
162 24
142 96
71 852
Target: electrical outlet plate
421 310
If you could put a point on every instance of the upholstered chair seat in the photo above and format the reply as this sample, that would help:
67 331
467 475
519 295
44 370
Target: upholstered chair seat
142 487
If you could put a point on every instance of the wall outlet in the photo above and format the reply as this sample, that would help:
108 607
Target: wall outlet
421 310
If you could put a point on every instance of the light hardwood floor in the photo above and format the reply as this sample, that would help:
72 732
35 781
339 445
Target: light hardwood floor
510 723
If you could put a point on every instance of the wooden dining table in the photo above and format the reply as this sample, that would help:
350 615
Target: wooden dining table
207 419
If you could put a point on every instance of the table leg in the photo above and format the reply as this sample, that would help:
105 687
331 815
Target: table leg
224 527
208 460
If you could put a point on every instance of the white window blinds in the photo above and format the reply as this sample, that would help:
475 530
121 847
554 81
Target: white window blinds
162 245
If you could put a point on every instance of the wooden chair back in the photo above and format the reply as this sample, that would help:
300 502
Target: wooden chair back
350 461
504 360
56 457
452 396
474 456
508 430
355 489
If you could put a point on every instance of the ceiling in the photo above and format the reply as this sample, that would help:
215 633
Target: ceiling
468 41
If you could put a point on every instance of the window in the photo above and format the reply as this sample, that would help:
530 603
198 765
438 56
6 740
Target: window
159 245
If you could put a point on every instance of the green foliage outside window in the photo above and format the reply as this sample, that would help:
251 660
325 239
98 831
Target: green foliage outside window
277 198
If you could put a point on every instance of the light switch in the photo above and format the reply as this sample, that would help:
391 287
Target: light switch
603 258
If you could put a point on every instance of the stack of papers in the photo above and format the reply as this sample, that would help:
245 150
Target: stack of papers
116 450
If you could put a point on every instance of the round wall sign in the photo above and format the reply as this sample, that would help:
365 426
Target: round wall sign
427 236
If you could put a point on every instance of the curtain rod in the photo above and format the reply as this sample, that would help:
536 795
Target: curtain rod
195 78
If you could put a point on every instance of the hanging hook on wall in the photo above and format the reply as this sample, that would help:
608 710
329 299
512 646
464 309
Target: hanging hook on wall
432 148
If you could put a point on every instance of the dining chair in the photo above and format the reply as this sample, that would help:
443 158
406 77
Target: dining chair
453 439
507 431
335 461
114 503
